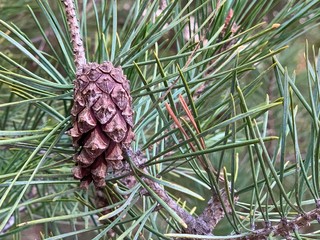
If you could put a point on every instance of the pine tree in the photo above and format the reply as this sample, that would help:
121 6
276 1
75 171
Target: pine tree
185 115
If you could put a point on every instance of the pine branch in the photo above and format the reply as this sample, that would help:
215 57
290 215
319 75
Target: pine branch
201 225
284 228
77 43
212 214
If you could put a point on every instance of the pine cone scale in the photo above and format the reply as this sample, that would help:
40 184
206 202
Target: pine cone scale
104 109
102 121
86 120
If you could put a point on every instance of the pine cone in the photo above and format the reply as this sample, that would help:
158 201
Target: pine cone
102 121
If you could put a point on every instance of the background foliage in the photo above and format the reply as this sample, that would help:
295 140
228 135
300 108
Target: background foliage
252 119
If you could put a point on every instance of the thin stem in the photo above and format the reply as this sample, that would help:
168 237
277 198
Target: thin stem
285 227
201 225
77 43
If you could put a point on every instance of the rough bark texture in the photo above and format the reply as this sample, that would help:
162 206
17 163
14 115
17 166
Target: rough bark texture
201 225
102 121
285 228
77 44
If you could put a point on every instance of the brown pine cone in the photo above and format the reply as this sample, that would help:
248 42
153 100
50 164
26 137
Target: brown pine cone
102 121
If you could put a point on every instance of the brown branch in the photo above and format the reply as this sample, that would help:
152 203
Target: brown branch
284 228
201 225
77 44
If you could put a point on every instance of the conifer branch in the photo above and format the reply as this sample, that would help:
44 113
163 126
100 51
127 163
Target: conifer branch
76 40
287 227
201 225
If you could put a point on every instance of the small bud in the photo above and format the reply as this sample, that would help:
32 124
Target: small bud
276 25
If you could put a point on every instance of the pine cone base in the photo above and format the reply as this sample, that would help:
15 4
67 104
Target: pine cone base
102 120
